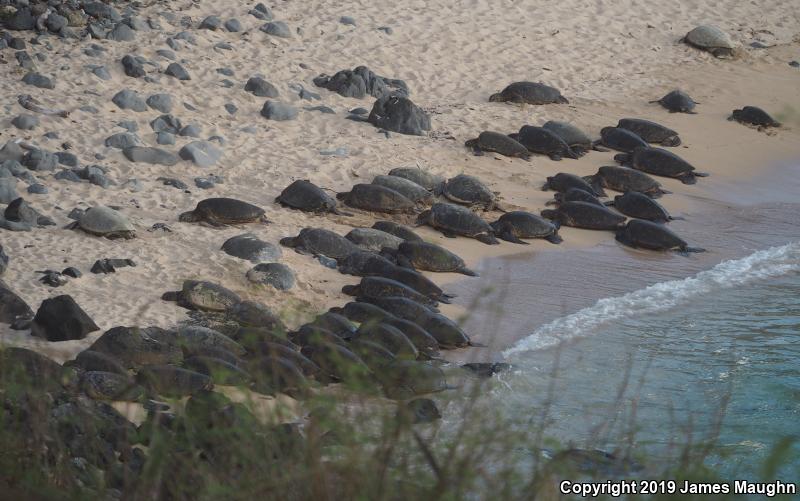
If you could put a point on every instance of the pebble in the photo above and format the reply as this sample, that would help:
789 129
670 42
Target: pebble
226 71
121 33
322 109
24 60
201 153
38 80
101 72
277 29
67 158
166 54
61 319
8 191
68 175
150 155
165 138
25 122
223 46
260 87
40 160
274 110
338 152
128 125
190 130
166 123
795 64
128 99
231 108
37 189
177 71
347 20
233 25
175 183
386 29
133 67
110 265
262 12
161 102
122 140
211 23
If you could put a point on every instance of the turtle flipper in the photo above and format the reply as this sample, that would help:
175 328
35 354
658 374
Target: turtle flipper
692 249
555 156
487 238
467 271
510 237
624 240
688 179
701 174
677 218
288 242
555 238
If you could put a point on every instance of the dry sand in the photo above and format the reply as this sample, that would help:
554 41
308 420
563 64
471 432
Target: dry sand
608 58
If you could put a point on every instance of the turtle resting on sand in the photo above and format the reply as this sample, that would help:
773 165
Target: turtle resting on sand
515 225
498 143
430 182
469 190
106 222
405 187
222 211
624 179
563 181
620 139
397 230
574 195
712 39
529 93
640 206
648 235
585 215
542 141
753 115
376 198
677 101
660 162
372 287
650 131
320 242
430 257
454 220
306 196
573 136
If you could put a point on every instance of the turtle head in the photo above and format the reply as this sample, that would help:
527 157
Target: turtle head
188 217
351 290
562 100
288 242
496 98
550 214
622 158
343 195
423 217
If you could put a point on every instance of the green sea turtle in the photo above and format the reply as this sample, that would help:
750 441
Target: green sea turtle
106 222
620 139
307 197
320 242
515 225
677 101
273 374
423 341
499 143
336 362
469 190
585 215
390 338
563 181
376 198
171 381
373 353
624 179
574 195
223 211
134 347
712 39
454 220
431 257
638 205
529 93
405 379
639 233
405 187
370 239
753 115
430 182
206 296
575 138
372 287
101 385
545 142
90 360
310 334
397 230
194 339
338 324
660 162
363 312
650 131
269 349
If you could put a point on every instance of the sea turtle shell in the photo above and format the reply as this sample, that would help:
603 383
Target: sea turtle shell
306 196
321 242
498 143
376 198
572 135
712 39
469 190
530 93
405 187
223 211
650 131
456 220
106 222
427 180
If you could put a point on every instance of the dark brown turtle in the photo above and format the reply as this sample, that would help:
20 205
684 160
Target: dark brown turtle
620 139
423 341
405 187
752 115
337 362
678 101
585 215
499 143
371 287
222 211
397 230
575 138
574 195
310 334
320 242
101 385
363 312
650 131
544 142
370 239
529 93
170 381
268 349
624 179
306 196
712 39
374 354
639 233
404 379
390 338
430 182
220 371
338 324
563 181
660 162
376 198
274 374
515 225
638 205
454 220
431 257
469 190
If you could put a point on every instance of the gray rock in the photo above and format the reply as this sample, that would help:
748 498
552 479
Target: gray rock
102 11
3 261
101 72
262 12
134 185
177 71
322 109
14 226
274 110
165 138
122 140
12 307
225 71
277 275
166 123
361 82
386 29
794 64
25 122
175 183
129 100
128 125
277 29
37 189
61 319
347 20
95 175
249 247
17 43
56 22
67 158
133 67
204 183
233 25
231 108
145 154
20 211
202 153
223 46
138 23
68 175
211 23
399 114
166 54
21 20
38 80
24 60
160 102
89 109
190 130
8 191
260 87
121 33
39 160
